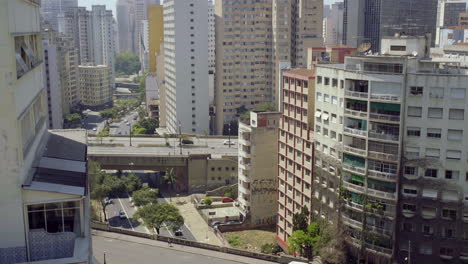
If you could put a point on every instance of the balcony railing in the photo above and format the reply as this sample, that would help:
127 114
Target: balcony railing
354 150
355 113
379 135
384 117
385 97
383 156
356 94
379 230
378 249
356 132
382 175
353 187
351 222
381 194
354 205
354 168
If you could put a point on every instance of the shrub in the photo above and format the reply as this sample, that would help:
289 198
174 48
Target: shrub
208 201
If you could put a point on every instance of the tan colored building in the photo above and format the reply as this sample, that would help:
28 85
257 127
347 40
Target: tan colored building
95 85
257 174
295 148
249 48
463 19
156 33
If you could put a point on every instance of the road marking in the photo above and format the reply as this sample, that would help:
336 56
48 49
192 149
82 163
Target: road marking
123 208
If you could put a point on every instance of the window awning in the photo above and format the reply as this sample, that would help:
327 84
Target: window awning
390 185
318 114
386 107
325 116
357 178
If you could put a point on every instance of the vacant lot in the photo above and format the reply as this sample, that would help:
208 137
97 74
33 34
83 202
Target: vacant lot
251 239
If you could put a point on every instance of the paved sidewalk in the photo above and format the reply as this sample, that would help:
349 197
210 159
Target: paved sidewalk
175 247
194 222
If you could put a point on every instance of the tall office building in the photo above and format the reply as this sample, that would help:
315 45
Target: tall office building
141 14
252 39
389 128
44 197
186 65
368 21
125 24
211 36
333 33
50 9
143 44
75 24
448 14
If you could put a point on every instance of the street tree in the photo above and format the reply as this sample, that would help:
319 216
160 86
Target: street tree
126 63
301 219
303 242
145 196
133 182
156 215
170 179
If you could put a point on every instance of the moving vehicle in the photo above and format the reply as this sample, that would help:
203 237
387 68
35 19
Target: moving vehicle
94 129
227 200
107 200
187 141
228 142
178 233
122 214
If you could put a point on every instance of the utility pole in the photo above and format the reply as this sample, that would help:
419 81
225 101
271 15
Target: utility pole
130 134
409 251
105 258
229 134
180 138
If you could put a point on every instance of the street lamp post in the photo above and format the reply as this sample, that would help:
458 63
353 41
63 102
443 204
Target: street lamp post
180 138
229 134
130 133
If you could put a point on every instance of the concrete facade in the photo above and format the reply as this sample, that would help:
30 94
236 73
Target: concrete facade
23 145
186 65
258 144
50 9
95 85
247 56
394 136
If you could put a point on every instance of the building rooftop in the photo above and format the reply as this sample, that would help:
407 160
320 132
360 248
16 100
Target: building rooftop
301 73
62 167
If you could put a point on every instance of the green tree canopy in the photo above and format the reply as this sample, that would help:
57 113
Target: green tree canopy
132 182
126 63
155 215
145 126
73 118
145 196
301 219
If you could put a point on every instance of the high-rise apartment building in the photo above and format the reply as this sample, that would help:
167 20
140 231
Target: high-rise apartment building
93 34
61 77
258 146
211 36
295 141
95 85
252 39
368 21
126 25
44 197
144 46
333 34
186 65
389 128
50 9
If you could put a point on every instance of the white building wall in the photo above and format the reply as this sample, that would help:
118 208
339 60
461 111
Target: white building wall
186 65
52 84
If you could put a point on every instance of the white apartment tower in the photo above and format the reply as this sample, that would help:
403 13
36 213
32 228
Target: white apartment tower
211 36
186 65
43 181
50 9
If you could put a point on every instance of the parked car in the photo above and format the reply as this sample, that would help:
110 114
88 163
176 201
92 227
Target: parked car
94 129
227 200
108 200
178 233
232 222
187 141
122 215
229 142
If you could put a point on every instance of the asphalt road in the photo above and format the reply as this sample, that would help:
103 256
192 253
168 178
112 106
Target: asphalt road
92 121
185 230
122 128
124 204
124 252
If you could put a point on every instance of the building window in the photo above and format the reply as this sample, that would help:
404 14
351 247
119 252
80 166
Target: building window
449 214
411 170
414 131
319 97
427 230
327 81
55 217
433 112
397 48
453 134
27 54
456 114
409 208
212 169
432 173
432 153
341 84
407 227
414 111
434 132
416 90
454 154
457 93
334 82
319 79
326 98
410 191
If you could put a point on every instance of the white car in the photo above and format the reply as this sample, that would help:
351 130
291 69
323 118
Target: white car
228 142
122 215
94 129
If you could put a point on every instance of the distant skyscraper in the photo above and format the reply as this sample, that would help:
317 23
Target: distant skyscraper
333 34
125 24
452 10
186 65
51 8
211 36
371 20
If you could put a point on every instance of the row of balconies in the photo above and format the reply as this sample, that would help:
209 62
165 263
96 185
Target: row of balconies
370 191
